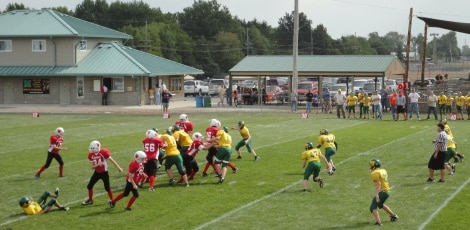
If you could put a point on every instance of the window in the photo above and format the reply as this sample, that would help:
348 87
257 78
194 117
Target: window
5 45
39 45
83 44
115 84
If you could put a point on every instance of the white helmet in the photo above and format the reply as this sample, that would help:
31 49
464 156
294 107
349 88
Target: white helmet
95 146
140 156
197 136
184 117
59 131
215 123
150 134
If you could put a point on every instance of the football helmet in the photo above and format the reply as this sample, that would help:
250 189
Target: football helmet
184 117
59 131
374 163
323 131
308 145
169 131
226 129
175 128
24 201
444 121
241 124
150 134
140 156
197 136
95 147
155 129
214 123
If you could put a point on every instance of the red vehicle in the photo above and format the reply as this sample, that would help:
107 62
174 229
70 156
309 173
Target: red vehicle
303 87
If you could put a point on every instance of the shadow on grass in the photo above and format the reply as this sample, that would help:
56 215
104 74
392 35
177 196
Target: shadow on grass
353 226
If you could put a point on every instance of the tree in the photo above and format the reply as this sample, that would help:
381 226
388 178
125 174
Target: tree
135 13
15 6
227 51
377 43
285 33
64 10
353 45
321 41
91 11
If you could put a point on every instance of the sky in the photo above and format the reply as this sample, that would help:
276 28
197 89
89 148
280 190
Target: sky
340 17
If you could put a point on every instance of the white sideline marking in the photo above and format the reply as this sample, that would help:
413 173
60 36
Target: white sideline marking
295 183
446 202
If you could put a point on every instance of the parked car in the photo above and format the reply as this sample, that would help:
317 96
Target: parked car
215 84
370 87
195 87
334 89
391 84
358 84
303 87
419 83
275 93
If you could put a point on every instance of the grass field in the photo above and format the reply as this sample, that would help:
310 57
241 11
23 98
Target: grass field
264 194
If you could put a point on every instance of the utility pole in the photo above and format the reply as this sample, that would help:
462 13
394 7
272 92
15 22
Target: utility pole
295 54
434 47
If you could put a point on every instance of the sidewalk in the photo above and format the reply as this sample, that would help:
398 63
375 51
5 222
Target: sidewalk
179 105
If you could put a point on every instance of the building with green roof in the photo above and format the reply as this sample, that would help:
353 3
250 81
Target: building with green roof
47 57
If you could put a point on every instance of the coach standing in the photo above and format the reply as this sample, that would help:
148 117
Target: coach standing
436 162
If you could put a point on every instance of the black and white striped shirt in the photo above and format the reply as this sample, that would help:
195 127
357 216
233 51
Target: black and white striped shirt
441 138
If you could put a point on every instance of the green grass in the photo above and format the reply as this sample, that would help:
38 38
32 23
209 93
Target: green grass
263 195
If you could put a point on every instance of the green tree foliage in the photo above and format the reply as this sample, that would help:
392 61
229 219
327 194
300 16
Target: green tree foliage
15 6
321 41
93 11
135 13
285 33
64 10
226 50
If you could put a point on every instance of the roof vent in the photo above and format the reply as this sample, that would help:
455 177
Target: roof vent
100 46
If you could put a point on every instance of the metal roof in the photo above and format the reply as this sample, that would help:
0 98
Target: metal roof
319 65
108 59
46 22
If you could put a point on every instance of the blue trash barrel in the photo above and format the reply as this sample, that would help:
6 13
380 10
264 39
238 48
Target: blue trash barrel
199 101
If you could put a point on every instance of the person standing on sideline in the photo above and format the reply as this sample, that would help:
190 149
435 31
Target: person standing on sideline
152 145
326 98
401 106
393 105
311 158
99 158
436 162
467 104
246 140
340 99
308 104
221 94
151 96
376 100
158 96
135 171
459 103
360 97
293 101
104 94
366 105
432 102
166 100
55 145
382 192
441 99
41 206
414 96
227 95
449 101
352 101
328 141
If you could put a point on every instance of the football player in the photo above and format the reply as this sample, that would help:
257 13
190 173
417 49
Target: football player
55 145
172 156
246 140
189 157
99 158
42 205
224 152
382 192
328 141
311 159
135 172
185 124
211 132
152 145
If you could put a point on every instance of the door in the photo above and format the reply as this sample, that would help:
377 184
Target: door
64 91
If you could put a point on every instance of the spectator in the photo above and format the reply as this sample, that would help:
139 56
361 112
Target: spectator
340 99
104 94
376 101
166 100
414 96
308 106
293 101
158 96
441 99
221 94
393 105
151 95
432 101
384 99
326 97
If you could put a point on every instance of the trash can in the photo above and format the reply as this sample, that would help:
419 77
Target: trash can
199 101
207 102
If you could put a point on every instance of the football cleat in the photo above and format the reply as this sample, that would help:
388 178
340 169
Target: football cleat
87 202
151 189
320 182
257 158
453 168
111 204
172 182
235 170
64 208
378 224
128 209
394 217
204 174
430 180
239 157
56 192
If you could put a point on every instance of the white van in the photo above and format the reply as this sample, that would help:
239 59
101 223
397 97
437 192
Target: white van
195 87
215 84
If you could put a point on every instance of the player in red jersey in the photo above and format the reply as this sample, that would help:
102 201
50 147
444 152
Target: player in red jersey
98 158
152 145
185 124
55 145
135 172
189 157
